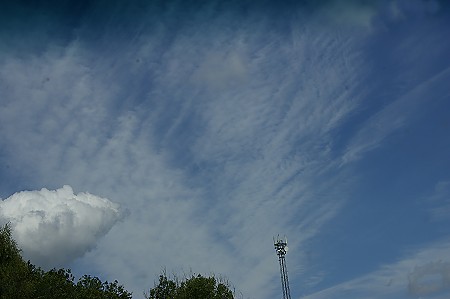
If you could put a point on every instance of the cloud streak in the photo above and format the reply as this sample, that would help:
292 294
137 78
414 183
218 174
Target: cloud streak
395 116
421 273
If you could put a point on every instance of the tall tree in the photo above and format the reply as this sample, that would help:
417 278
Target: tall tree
16 279
23 280
194 287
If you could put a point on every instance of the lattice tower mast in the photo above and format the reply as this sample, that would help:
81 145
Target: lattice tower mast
281 249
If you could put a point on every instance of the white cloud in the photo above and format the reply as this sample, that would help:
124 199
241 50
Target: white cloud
54 227
354 13
367 14
428 279
421 273
221 70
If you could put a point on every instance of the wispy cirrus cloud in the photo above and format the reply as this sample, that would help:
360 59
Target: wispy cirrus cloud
216 127
396 116
420 273
202 158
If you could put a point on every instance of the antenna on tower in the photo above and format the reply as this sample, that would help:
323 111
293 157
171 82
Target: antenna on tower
281 248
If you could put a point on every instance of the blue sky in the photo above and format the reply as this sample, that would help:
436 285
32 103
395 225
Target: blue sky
142 136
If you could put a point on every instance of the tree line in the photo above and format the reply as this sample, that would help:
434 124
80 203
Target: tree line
20 279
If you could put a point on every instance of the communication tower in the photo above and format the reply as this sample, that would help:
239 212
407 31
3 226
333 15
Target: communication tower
281 248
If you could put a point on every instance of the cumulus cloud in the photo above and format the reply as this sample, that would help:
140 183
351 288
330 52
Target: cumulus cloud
53 227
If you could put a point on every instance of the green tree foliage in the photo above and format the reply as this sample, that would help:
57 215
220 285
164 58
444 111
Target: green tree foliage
92 287
195 287
166 288
23 280
15 275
